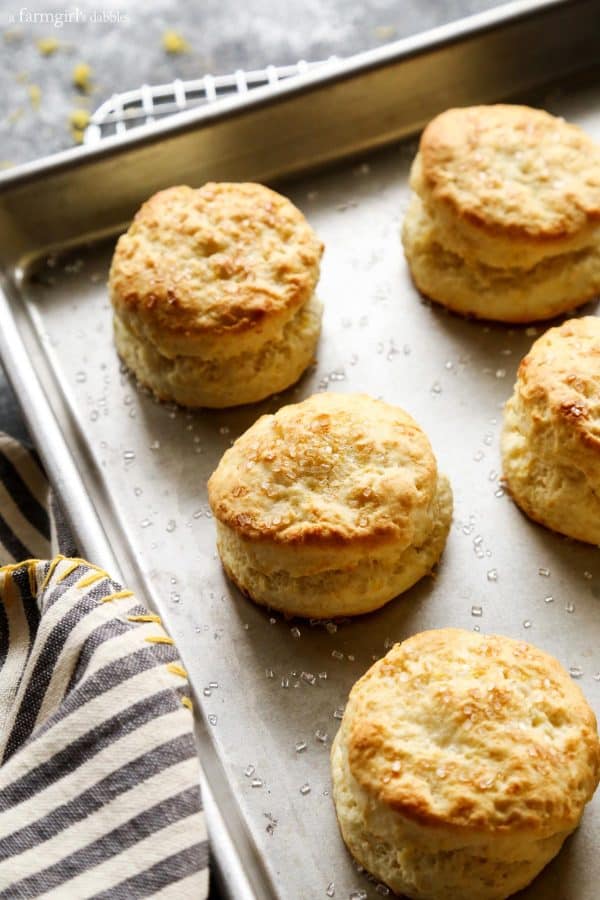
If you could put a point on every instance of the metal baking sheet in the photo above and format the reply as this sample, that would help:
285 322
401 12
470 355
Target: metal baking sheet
271 691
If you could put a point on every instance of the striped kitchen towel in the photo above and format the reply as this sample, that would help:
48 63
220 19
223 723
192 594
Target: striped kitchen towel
99 778
25 523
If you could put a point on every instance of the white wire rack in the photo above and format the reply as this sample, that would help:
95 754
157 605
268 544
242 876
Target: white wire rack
131 109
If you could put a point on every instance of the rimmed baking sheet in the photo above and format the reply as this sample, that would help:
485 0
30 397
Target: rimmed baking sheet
272 691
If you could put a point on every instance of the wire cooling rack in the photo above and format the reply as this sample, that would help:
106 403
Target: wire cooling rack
131 109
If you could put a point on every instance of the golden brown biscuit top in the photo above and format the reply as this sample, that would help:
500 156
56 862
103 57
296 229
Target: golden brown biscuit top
561 375
219 259
469 731
513 170
336 468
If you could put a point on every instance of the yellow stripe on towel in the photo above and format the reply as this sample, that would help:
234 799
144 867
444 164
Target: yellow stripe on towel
176 669
149 617
98 575
70 568
118 595
50 571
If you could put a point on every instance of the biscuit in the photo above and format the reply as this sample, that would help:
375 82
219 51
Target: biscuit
505 220
462 763
213 294
551 436
331 507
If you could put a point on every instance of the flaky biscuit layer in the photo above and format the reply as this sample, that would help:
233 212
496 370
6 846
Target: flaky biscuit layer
556 285
351 586
215 382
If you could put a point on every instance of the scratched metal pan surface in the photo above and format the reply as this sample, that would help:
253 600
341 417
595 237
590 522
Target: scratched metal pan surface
133 472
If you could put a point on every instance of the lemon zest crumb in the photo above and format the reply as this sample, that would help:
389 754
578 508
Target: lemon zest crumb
78 121
82 77
173 42
47 46
35 95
